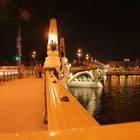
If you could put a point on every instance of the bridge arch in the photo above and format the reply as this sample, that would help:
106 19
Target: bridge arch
79 74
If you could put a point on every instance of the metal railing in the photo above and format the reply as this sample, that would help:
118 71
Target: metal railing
7 75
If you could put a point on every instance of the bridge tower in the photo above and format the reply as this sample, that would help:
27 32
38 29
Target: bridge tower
52 61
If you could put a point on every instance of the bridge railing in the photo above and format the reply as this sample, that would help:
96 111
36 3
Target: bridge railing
63 111
67 119
9 75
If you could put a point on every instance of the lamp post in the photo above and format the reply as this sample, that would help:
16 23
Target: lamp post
79 53
19 39
18 42
23 14
34 56
33 61
87 58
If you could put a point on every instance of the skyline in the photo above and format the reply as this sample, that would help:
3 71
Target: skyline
105 30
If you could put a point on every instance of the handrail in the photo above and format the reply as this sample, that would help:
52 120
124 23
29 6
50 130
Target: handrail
8 75
63 110
127 131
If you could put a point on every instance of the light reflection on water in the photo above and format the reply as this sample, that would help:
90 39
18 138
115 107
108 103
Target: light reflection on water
117 102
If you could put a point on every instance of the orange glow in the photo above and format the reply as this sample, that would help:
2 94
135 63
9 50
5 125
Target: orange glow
79 50
79 54
52 38
25 14
87 56
34 52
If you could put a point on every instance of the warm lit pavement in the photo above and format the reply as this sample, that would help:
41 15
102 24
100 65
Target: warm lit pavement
22 105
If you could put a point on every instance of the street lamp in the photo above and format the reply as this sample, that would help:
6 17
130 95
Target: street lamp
79 53
33 61
87 57
18 42
19 39
23 14
34 56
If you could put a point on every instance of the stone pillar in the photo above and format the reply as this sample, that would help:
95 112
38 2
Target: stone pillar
52 61
64 60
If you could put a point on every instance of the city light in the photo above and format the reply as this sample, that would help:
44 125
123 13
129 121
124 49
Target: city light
79 53
33 54
17 58
87 57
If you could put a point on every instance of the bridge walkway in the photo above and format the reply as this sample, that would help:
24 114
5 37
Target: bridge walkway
22 105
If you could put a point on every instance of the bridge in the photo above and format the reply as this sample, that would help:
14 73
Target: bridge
123 73
34 108
23 113
91 78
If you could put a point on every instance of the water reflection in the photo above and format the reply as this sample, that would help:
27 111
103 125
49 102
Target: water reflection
124 80
117 102
88 97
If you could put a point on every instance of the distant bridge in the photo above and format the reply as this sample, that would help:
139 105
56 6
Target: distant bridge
123 73
88 73
75 69
91 78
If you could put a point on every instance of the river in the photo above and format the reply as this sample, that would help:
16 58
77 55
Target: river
117 102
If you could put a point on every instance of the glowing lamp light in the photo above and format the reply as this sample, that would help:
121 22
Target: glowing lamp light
87 56
34 53
79 54
52 38
17 58
79 50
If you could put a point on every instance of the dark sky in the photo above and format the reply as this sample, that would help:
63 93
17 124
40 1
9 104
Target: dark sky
104 29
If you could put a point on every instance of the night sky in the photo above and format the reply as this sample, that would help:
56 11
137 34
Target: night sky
104 29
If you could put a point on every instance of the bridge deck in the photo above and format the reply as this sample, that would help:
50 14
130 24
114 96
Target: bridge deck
22 106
